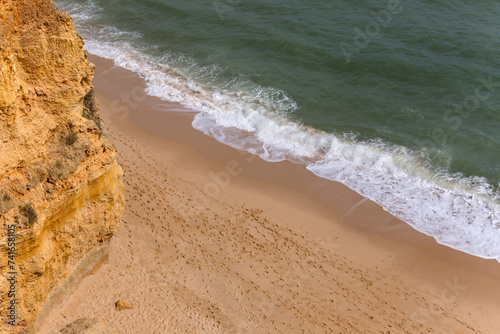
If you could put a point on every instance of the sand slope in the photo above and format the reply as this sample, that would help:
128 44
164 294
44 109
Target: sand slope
256 258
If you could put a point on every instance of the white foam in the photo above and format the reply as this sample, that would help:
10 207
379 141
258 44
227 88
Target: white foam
463 213
457 217
458 212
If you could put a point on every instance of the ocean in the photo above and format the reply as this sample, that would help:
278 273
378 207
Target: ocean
399 100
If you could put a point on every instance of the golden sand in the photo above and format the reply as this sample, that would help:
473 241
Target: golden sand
218 241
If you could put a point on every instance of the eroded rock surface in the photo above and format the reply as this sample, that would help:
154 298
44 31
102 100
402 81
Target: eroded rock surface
60 185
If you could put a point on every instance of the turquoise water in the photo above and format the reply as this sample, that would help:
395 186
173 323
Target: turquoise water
399 100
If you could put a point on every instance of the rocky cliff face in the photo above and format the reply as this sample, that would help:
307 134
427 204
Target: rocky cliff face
61 191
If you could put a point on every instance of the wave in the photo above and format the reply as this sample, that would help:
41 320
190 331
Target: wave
460 212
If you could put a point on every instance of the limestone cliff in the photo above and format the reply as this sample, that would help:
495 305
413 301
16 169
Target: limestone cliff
60 185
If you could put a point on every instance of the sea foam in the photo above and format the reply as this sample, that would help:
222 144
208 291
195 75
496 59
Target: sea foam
460 212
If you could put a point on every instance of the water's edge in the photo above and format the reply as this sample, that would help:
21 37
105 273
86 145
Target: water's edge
457 211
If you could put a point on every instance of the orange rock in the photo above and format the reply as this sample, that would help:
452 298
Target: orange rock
121 305
59 182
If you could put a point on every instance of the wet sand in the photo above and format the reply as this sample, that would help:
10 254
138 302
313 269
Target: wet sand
215 240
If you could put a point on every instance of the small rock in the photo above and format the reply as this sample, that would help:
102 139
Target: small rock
121 305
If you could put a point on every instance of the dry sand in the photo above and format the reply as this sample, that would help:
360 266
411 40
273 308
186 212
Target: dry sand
269 249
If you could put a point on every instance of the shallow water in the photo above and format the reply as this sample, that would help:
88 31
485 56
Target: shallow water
399 100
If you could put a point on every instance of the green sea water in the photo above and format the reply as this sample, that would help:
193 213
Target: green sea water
400 100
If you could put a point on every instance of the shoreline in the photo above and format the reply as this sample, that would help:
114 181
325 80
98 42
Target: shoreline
170 121
329 224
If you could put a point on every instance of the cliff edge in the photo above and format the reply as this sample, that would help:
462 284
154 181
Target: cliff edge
61 191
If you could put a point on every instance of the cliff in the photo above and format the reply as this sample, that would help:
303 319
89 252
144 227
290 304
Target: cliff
61 191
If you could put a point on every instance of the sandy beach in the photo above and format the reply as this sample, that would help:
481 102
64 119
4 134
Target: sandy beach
215 240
